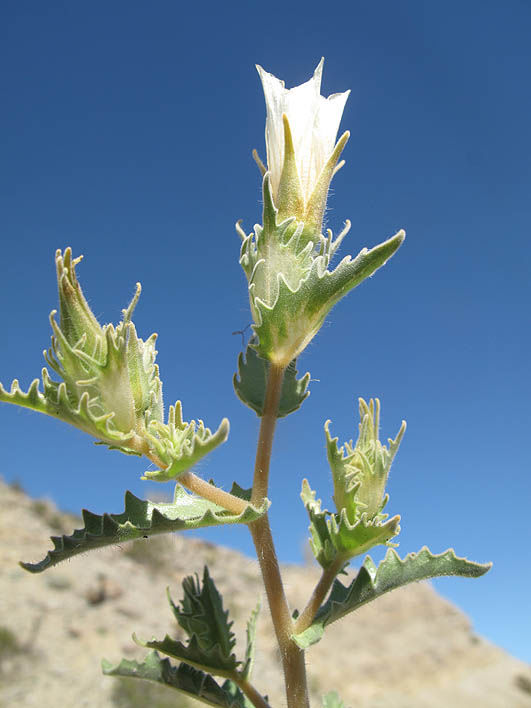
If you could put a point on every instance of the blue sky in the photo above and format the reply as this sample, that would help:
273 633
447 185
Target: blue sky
128 129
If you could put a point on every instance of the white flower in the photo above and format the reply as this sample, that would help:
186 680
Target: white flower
314 122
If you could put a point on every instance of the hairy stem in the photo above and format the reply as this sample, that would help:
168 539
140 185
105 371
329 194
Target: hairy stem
252 694
318 596
208 491
292 657
204 489
267 431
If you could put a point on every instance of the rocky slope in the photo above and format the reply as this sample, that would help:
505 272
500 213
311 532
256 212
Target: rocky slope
410 649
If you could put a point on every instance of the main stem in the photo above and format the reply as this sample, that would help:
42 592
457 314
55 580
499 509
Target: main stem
292 657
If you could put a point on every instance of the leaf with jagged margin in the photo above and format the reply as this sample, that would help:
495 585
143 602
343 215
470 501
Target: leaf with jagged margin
183 678
143 518
251 638
250 387
180 444
332 700
210 637
194 654
333 538
371 582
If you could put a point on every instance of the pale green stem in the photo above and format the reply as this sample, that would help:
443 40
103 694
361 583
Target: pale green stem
292 657
318 596
204 489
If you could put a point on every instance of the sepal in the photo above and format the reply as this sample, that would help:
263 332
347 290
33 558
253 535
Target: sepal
56 402
374 581
251 385
180 445
142 519
291 290
360 471
335 540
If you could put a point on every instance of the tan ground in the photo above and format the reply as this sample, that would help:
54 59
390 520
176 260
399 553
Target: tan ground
410 649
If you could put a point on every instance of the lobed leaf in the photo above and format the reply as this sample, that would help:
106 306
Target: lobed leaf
250 387
201 615
371 582
184 678
142 518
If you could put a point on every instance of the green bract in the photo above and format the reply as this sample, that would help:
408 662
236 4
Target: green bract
110 384
291 288
360 474
360 471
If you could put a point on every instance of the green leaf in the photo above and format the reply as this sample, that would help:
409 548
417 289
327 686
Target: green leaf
193 654
334 539
371 582
143 518
251 637
332 700
184 678
201 615
250 387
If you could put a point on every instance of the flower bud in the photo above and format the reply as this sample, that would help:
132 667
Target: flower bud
110 385
360 472
286 259
110 365
302 155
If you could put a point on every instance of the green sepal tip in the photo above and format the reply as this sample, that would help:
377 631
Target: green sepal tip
334 539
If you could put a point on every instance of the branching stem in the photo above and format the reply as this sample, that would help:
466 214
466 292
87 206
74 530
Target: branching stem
318 596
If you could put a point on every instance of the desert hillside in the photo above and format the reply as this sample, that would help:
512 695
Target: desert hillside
409 649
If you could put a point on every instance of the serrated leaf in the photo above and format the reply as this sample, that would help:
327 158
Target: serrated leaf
332 700
143 518
193 653
371 582
184 678
251 637
201 615
334 539
250 387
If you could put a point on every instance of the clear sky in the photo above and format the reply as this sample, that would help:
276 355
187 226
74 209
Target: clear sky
127 133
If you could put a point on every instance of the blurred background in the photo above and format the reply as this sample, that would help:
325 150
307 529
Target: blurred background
127 134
